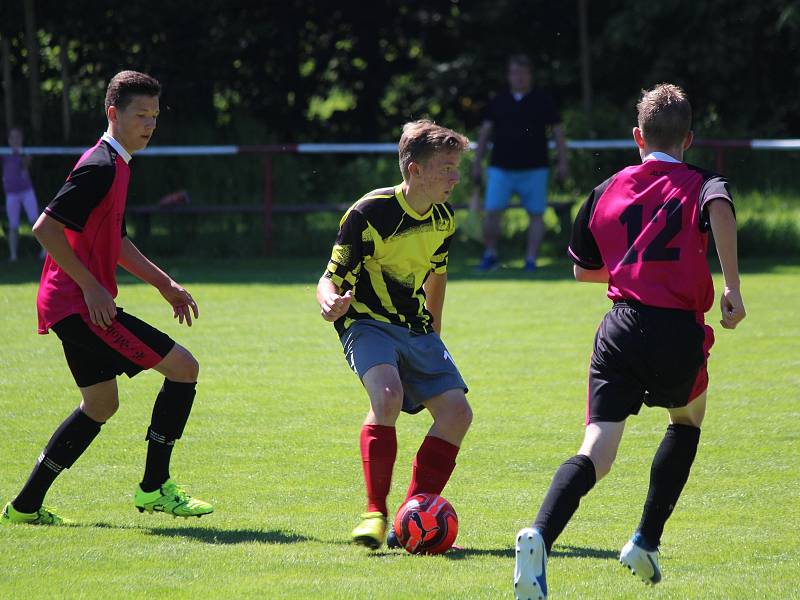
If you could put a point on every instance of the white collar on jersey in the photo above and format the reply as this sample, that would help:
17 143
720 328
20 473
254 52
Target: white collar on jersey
662 156
117 146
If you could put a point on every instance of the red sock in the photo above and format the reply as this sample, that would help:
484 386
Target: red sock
378 452
433 465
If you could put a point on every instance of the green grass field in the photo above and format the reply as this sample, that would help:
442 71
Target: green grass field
273 442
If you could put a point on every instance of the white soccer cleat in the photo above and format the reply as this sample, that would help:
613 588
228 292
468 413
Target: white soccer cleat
641 563
530 576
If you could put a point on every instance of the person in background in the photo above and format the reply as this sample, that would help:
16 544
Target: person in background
516 121
18 189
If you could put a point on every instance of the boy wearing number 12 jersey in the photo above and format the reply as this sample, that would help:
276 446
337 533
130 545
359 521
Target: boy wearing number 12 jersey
644 232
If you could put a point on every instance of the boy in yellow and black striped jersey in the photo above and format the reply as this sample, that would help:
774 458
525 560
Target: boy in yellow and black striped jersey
384 291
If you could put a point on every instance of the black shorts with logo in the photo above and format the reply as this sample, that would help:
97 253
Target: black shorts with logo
128 345
645 355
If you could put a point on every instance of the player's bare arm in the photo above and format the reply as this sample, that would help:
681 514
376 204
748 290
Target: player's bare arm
590 275
332 303
723 224
434 288
138 265
50 234
484 136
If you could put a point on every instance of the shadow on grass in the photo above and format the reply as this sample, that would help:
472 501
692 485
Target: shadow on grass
462 553
581 552
559 551
373 554
214 535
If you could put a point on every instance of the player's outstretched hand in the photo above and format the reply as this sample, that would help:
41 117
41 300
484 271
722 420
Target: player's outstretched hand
334 306
183 305
732 308
100 303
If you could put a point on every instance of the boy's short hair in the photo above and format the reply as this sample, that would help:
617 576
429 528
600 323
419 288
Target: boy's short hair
421 139
521 60
127 84
664 115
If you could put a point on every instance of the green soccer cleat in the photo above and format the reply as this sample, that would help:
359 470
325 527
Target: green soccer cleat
172 499
43 516
371 531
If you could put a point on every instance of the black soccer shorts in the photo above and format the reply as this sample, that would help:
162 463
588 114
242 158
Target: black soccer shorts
646 355
128 345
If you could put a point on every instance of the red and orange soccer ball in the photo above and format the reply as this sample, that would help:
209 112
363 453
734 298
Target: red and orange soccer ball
426 524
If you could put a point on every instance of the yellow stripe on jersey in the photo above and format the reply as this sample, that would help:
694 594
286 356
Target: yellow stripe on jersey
384 252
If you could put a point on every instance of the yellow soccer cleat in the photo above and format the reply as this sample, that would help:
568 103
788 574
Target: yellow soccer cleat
371 531
170 498
43 516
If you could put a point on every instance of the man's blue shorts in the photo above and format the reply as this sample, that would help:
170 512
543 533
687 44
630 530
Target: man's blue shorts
529 184
425 366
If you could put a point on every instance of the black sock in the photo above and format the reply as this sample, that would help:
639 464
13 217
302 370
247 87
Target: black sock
68 442
156 467
170 413
572 481
668 475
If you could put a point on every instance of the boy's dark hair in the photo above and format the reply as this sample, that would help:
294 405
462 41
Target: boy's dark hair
664 115
127 84
423 138
521 60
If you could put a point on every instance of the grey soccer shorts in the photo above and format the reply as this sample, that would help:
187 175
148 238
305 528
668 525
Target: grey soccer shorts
425 366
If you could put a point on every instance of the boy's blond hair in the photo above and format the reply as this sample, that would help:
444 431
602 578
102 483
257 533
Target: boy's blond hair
421 139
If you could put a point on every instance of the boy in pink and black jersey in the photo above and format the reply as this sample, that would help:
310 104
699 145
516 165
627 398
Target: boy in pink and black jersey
644 232
83 231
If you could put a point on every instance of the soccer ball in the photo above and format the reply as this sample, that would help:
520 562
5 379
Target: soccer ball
426 524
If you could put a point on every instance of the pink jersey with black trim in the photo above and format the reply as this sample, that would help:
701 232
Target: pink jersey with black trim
91 205
649 226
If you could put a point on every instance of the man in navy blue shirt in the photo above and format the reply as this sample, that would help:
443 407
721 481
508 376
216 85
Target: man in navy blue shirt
516 121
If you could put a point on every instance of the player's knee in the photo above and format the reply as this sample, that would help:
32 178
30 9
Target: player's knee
113 407
462 415
602 465
192 367
455 417
100 409
388 400
185 369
